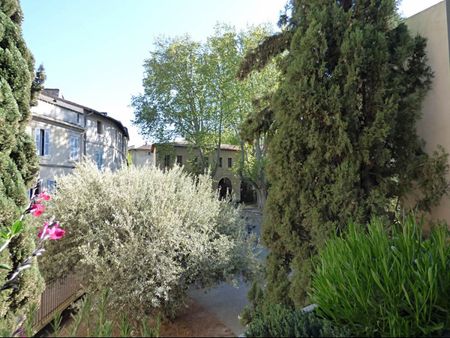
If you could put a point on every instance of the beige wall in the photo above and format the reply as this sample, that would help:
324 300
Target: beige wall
111 142
63 120
222 172
141 157
434 126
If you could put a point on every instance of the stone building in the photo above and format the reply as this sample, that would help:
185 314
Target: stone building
181 153
66 132
141 156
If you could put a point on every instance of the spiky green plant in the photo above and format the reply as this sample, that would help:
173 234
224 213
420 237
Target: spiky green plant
386 284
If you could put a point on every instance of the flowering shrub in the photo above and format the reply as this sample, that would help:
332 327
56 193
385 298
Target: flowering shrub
50 230
146 234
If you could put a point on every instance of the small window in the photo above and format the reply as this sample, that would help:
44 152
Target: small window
179 160
78 118
99 127
220 162
120 141
166 161
99 159
230 162
42 141
149 153
74 147
51 185
206 161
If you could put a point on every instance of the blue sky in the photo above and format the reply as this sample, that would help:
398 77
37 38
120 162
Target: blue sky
93 50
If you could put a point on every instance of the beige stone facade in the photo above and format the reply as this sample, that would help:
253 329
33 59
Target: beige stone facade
66 132
167 155
434 127
141 156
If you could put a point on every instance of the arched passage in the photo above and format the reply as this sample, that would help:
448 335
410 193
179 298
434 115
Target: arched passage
224 187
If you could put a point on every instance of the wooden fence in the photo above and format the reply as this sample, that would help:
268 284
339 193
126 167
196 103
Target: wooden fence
57 296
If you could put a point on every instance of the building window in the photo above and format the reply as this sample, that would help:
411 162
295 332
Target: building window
42 140
149 153
166 161
179 160
99 159
51 185
99 127
230 162
206 161
74 147
78 118
120 142
220 162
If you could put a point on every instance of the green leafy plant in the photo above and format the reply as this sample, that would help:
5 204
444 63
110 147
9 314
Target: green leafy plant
386 284
83 312
125 328
56 323
150 331
93 318
280 321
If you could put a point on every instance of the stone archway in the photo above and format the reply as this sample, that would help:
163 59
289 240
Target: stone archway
224 187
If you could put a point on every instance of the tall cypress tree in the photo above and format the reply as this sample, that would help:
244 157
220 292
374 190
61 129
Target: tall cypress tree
345 145
18 162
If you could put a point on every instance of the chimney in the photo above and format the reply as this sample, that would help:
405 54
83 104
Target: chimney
53 92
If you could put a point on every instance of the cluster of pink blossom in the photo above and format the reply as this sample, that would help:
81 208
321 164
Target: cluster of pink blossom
50 230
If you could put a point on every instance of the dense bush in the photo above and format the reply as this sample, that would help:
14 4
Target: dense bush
146 234
382 284
280 321
18 163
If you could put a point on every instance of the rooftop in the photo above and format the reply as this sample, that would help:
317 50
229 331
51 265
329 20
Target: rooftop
51 95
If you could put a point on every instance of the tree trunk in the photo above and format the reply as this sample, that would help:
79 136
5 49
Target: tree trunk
261 197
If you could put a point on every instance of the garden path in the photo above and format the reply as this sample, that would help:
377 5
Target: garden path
225 301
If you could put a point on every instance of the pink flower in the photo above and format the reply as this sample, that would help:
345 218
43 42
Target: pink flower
37 209
53 231
44 196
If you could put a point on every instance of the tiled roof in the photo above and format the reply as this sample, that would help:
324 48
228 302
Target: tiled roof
54 100
185 144
144 147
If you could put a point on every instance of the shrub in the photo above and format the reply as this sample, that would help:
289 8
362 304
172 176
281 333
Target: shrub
281 321
386 284
146 234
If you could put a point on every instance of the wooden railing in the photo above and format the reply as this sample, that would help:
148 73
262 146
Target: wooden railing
57 296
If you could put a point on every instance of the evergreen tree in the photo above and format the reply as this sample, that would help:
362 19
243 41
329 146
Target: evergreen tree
345 145
18 162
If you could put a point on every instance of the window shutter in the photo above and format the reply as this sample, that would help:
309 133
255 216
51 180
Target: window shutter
46 142
37 140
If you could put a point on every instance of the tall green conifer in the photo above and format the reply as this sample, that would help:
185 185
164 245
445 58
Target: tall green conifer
345 145
18 163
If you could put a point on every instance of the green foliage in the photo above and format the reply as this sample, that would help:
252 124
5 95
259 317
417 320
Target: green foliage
280 321
94 317
146 234
38 84
395 284
191 90
18 163
344 141
150 331
56 323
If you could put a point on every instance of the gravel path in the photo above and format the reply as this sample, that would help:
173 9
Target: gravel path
225 301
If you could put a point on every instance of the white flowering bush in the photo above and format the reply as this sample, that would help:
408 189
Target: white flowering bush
146 234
